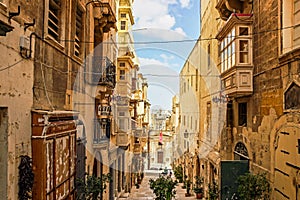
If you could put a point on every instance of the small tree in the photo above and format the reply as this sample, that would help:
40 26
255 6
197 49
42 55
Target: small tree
163 188
253 186
178 171
93 186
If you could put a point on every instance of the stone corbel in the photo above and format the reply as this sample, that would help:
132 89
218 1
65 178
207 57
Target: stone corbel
234 5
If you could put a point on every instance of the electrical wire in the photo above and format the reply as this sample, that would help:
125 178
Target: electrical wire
178 41
12 65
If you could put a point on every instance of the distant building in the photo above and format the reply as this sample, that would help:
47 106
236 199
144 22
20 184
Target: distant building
161 137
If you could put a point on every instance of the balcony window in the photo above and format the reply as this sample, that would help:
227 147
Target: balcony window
123 25
100 131
290 18
104 111
122 64
235 48
122 74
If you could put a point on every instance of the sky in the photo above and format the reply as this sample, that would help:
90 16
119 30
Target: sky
165 32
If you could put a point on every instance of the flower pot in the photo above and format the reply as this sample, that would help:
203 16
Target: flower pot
199 195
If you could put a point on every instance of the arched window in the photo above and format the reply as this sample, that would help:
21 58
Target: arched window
240 152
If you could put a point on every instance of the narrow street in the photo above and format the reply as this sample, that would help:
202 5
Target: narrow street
145 193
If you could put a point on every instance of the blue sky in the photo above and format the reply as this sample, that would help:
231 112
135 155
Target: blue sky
165 31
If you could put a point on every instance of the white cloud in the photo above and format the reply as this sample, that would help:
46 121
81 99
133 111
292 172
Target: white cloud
156 14
185 3
180 31
150 61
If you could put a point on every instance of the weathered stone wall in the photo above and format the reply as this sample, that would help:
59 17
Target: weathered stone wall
267 82
16 81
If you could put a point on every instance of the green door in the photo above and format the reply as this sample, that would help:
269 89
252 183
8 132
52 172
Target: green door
230 171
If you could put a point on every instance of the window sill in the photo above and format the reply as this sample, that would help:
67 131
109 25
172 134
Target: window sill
54 43
3 6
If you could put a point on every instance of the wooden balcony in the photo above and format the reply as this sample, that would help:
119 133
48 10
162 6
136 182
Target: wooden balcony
123 140
103 72
238 81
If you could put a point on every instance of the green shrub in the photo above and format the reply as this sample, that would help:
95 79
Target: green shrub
254 187
163 188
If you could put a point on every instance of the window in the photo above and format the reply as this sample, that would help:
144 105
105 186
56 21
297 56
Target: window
160 157
78 31
229 115
54 19
122 64
244 51
123 25
290 10
235 48
122 74
208 56
196 79
123 15
298 146
227 51
296 31
122 124
122 114
242 114
208 120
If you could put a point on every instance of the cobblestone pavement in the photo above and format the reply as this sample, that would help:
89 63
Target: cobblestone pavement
145 193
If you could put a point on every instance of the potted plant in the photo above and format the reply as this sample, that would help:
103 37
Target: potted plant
92 187
213 191
188 187
163 187
198 187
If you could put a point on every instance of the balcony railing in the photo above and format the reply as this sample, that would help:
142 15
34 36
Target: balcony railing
104 71
122 140
238 81
101 131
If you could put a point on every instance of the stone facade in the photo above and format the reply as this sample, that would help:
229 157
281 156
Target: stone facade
260 124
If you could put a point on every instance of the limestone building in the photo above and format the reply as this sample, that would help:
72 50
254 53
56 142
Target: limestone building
253 45
56 90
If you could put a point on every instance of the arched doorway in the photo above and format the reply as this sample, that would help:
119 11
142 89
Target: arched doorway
240 152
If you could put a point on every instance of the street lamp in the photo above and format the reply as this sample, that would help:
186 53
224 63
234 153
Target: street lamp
186 134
